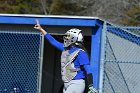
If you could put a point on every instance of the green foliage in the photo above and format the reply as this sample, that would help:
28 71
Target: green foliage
60 7
57 7
133 18
20 6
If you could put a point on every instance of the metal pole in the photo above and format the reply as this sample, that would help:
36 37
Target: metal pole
103 44
41 62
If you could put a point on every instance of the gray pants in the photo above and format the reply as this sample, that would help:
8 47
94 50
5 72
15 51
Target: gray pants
74 86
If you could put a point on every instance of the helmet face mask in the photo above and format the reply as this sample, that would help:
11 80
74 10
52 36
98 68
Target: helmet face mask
66 37
72 36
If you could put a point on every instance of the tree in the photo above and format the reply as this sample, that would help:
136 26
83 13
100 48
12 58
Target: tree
21 6
57 7
61 7
133 18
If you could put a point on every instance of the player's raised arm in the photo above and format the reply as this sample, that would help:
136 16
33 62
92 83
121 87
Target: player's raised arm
38 27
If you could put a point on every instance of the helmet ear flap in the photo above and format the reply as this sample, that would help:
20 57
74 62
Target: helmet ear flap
80 37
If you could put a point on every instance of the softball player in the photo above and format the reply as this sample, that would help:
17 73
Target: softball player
74 60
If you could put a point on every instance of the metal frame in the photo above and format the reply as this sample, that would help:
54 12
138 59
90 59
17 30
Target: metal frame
41 62
103 43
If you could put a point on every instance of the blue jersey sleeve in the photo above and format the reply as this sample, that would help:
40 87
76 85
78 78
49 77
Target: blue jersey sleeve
84 61
54 42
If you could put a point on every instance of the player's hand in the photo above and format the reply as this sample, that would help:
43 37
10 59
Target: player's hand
91 89
37 25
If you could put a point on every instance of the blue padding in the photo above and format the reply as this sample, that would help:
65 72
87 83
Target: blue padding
95 55
124 34
47 21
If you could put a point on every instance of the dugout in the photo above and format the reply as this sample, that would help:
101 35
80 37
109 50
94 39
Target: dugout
47 71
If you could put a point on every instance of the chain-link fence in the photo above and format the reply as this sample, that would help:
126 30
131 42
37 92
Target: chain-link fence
20 61
121 72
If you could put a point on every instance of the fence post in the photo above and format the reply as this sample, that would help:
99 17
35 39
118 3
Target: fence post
103 44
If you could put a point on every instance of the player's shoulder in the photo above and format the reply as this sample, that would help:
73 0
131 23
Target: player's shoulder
81 51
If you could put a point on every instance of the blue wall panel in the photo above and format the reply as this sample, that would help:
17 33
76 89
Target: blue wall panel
95 55
47 21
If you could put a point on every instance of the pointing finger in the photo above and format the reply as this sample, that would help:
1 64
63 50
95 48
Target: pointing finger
37 22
